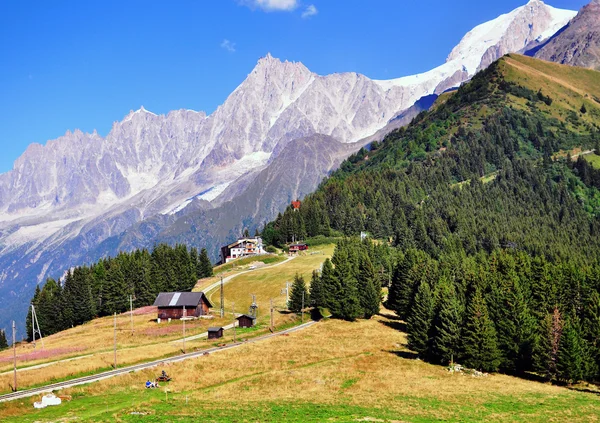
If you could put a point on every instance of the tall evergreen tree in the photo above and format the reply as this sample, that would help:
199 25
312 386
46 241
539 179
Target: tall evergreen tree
205 266
515 327
83 305
348 295
570 359
444 336
420 320
67 299
331 288
317 291
369 290
547 341
115 295
298 295
479 349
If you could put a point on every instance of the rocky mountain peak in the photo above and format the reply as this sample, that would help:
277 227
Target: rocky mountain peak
579 43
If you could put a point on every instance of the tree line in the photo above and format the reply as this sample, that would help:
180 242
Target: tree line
506 311
347 285
105 287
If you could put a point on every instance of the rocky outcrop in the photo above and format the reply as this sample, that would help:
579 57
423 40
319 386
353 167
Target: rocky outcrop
579 43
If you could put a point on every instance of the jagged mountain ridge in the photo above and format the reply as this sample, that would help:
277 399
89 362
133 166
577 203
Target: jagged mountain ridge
579 43
83 196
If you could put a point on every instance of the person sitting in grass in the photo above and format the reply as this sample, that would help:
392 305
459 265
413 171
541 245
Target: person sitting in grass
148 384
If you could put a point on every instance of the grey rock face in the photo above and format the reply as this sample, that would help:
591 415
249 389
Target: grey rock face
579 43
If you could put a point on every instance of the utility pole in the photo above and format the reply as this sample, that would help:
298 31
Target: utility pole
184 316
272 325
115 336
302 310
15 355
35 327
233 312
131 312
287 293
222 299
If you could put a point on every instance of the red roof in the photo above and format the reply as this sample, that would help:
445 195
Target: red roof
296 204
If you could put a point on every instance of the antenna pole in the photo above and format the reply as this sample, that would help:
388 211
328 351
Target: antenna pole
15 354
233 311
184 316
302 310
272 325
115 336
33 326
131 312
222 299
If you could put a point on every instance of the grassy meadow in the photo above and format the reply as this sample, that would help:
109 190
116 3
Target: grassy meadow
89 347
333 371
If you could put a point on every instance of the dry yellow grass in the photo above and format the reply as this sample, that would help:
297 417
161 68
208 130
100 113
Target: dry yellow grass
267 283
357 364
93 341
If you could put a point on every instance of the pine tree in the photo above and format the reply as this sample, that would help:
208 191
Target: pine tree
298 295
591 333
515 327
3 341
547 341
49 310
444 336
114 294
419 321
570 364
368 288
67 300
479 349
331 288
83 305
317 292
205 266
401 291
347 285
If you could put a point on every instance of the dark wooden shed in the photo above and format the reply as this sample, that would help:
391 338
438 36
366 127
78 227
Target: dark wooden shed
214 333
246 321
171 304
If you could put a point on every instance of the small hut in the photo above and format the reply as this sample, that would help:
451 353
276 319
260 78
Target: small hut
246 321
297 247
215 333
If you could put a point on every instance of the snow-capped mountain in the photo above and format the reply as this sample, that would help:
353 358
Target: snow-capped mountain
509 33
83 195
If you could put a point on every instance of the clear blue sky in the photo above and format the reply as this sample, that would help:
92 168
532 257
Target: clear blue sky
85 64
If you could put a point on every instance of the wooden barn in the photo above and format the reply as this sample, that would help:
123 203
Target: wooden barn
298 246
171 304
246 321
214 333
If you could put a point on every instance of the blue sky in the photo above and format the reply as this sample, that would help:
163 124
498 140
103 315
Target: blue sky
85 64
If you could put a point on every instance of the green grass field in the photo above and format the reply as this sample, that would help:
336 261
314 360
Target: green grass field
593 159
334 371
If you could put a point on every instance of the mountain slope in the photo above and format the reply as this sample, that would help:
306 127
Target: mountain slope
579 43
84 195
476 173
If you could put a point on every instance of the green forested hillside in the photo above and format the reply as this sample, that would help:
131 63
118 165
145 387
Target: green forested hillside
497 228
